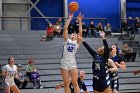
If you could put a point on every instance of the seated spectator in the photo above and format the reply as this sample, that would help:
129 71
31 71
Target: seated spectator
137 25
61 23
29 68
107 29
49 33
50 30
128 53
125 27
76 26
35 78
20 81
98 29
57 29
84 29
80 83
71 28
91 29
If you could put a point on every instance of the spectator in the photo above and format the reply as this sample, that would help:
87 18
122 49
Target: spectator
62 25
71 28
35 78
20 82
98 29
29 68
125 26
50 30
91 29
137 25
84 29
57 29
128 53
80 83
49 33
107 29
60 22
76 26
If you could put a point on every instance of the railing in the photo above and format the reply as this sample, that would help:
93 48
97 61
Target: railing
37 23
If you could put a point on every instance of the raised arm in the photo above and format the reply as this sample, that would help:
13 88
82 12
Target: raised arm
90 50
106 48
80 17
65 32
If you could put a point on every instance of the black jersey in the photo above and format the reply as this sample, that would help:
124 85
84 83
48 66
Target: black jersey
99 65
81 85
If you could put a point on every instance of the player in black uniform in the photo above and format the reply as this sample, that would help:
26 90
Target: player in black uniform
101 61
118 59
80 83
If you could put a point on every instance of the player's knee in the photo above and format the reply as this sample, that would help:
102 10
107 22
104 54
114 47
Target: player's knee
115 91
75 83
66 84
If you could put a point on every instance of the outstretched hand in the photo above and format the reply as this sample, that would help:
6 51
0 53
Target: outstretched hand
71 15
101 34
80 16
57 87
80 38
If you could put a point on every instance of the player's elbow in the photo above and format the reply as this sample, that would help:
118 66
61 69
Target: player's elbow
115 69
65 28
124 67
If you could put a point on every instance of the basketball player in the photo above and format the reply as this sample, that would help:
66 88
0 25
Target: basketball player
68 62
10 72
114 55
81 83
101 61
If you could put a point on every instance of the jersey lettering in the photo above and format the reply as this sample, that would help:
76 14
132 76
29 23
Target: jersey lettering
97 66
11 75
70 49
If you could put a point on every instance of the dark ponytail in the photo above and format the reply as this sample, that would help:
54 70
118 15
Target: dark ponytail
117 52
9 60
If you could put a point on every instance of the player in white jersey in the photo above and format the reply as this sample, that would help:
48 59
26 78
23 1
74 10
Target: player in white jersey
68 62
10 72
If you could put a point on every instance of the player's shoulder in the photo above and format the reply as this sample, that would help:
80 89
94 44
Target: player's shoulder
68 40
14 66
6 66
119 56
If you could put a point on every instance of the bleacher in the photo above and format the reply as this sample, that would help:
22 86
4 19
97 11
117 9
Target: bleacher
47 56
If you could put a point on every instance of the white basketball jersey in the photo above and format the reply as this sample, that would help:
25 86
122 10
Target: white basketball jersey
11 70
69 50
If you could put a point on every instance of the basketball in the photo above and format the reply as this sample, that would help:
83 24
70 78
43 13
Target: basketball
73 6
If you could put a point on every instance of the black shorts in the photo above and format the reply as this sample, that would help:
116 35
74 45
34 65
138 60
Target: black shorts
101 84
115 84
